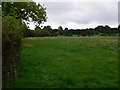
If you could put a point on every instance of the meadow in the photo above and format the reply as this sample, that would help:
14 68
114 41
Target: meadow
68 62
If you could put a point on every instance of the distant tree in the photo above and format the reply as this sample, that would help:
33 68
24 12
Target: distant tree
37 32
66 32
45 33
66 29
37 28
106 26
60 28
99 28
107 30
119 29
47 27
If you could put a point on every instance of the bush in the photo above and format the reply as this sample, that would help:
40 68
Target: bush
68 35
103 34
45 33
12 32
83 34
38 33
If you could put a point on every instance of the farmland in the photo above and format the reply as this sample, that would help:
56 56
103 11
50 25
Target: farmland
68 62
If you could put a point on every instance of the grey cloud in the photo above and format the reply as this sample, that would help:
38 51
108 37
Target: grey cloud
56 8
82 13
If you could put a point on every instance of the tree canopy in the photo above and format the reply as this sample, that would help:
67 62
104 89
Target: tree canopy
29 11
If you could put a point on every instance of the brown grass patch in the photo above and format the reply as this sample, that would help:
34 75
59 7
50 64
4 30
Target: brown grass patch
111 60
28 45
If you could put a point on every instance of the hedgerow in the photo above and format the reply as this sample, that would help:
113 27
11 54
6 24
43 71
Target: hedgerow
12 33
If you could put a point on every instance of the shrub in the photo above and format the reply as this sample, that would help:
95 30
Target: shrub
41 33
68 35
103 34
12 32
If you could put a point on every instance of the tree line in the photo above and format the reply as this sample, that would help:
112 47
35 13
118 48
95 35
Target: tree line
48 31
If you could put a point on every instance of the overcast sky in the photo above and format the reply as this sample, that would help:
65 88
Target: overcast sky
75 15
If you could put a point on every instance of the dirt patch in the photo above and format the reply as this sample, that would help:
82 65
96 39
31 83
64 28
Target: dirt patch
112 60
28 45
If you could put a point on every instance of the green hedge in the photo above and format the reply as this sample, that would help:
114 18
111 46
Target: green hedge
12 32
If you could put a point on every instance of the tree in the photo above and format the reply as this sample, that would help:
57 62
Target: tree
37 28
118 26
47 27
107 30
46 33
66 29
60 28
29 11
14 14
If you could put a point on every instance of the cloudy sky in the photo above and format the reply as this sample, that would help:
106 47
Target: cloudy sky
80 14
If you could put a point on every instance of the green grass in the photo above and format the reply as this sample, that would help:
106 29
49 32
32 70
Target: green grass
60 62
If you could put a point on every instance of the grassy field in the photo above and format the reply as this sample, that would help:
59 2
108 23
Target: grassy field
68 62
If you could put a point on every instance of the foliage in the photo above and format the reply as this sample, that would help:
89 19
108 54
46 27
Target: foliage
47 28
29 11
60 28
11 25
37 33
45 33
12 32
99 30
